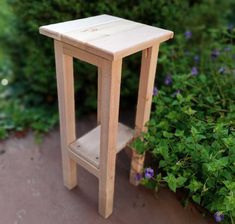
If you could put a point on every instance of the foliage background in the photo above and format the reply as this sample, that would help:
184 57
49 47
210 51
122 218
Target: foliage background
191 133
30 100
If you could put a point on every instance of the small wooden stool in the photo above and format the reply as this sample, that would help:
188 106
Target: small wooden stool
102 41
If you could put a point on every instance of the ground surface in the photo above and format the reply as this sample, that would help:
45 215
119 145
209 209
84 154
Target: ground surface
32 192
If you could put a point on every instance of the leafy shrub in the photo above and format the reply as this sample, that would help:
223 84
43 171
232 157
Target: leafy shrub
191 133
32 81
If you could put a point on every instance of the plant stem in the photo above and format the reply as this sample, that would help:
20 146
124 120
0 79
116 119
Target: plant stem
232 221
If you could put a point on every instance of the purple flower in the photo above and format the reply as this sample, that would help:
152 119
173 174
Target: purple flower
188 34
149 173
215 54
168 80
219 217
221 70
155 91
194 71
138 176
196 58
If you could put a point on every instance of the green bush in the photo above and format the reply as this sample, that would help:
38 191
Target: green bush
32 75
191 133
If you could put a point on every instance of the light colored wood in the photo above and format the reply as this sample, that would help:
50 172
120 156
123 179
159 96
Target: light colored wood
103 41
102 30
84 163
99 96
126 43
107 36
65 86
88 146
146 85
56 30
110 95
82 55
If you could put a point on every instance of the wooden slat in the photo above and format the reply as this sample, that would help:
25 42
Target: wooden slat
84 163
107 36
103 41
56 30
110 94
82 55
146 85
88 146
99 96
80 37
125 43
65 86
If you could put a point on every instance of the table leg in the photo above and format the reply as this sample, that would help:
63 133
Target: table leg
99 96
146 85
65 88
110 95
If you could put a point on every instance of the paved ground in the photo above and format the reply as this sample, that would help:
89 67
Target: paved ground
31 190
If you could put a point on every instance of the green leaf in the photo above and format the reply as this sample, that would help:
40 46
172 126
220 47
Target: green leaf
194 185
167 134
179 133
180 181
162 149
196 198
138 145
194 131
3 133
173 115
159 177
171 181
216 165
189 111
150 184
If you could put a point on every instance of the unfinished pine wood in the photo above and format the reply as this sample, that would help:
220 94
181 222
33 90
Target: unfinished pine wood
84 163
88 146
102 30
126 43
145 93
110 94
103 41
55 30
99 81
107 36
82 55
65 86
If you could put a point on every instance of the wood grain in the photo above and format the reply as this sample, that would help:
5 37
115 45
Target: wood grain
110 94
88 146
65 87
103 41
145 93
107 36
99 85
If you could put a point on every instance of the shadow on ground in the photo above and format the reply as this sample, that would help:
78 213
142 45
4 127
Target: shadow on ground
32 192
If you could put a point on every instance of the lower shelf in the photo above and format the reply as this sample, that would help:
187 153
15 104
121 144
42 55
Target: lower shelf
88 146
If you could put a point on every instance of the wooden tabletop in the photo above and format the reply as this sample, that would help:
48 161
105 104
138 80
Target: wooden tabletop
107 36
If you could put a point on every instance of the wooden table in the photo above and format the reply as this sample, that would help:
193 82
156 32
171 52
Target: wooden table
103 41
